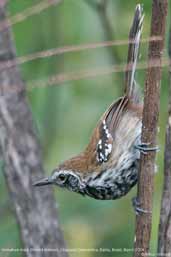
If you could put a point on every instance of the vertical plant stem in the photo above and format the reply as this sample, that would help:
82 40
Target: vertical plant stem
149 128
164 235
35 210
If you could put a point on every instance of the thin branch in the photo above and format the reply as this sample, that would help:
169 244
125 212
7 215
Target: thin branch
35 210
21 16
164 236
59 78
149 129
67 49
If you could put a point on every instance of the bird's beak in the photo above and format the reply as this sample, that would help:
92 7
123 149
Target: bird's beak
43 182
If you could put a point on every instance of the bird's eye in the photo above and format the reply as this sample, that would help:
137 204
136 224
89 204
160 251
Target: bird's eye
62 177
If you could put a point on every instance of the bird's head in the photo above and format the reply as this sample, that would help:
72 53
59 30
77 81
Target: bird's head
65 179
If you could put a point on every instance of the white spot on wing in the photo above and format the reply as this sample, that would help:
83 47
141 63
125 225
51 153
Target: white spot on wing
108 149
103 147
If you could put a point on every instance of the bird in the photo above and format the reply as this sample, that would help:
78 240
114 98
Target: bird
108 167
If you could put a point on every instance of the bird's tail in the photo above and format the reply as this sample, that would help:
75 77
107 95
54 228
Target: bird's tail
133 52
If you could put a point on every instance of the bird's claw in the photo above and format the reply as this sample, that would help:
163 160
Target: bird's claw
144 148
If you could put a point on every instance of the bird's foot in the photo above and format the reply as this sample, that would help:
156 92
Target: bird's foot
136 205
144 148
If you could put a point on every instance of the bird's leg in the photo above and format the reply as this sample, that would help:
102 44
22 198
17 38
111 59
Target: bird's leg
136 205
144 148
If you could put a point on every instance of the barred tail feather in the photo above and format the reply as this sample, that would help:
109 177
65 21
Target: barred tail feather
133 50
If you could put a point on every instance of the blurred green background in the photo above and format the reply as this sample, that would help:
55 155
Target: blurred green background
65 115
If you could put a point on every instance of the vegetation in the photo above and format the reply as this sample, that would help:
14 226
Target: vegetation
66 113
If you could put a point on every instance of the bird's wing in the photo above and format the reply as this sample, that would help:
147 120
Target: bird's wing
106 129
114 113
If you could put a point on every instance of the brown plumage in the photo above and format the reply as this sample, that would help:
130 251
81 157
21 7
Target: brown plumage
108 167
116 114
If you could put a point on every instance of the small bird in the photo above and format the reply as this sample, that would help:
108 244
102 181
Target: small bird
108 167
